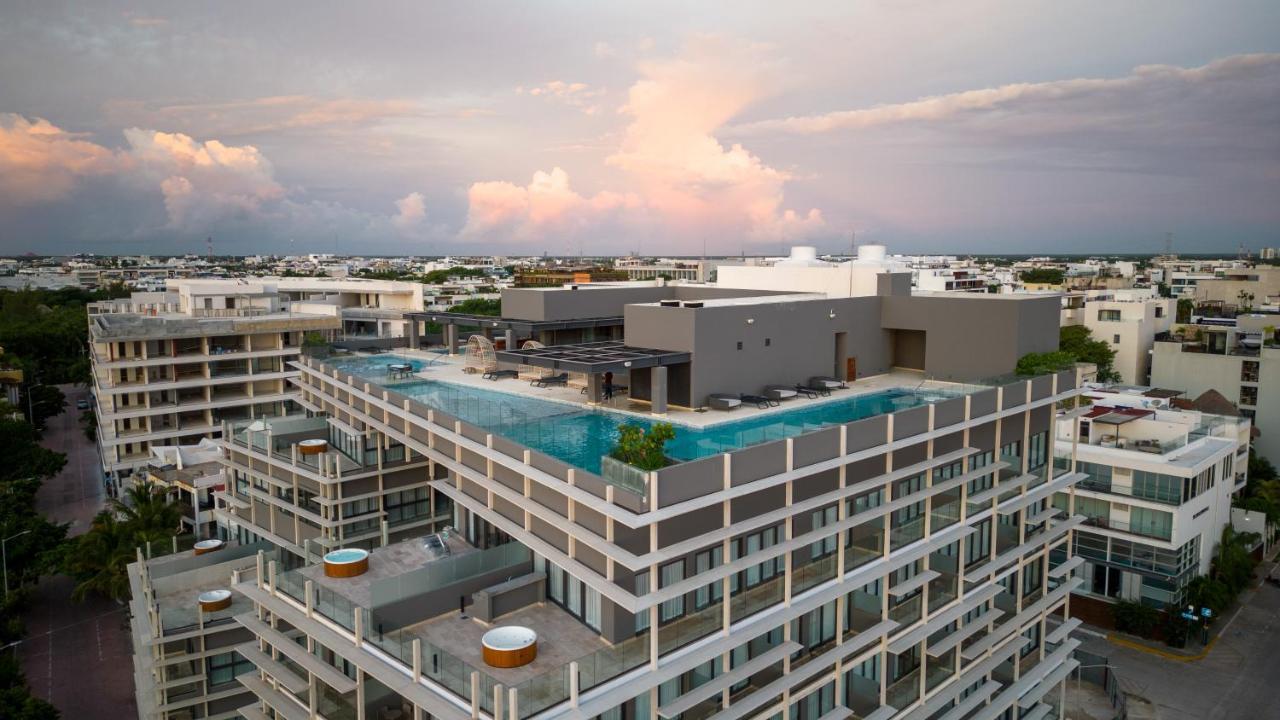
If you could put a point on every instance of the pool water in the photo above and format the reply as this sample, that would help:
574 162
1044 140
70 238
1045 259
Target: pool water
373 367
579 435
345 556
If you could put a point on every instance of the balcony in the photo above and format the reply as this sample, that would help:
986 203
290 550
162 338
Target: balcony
903 691
1109 524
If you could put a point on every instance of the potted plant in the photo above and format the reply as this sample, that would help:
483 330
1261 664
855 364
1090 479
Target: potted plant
637 452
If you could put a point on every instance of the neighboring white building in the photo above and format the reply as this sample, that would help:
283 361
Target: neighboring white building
1157 491
369 308
950 279
1128 321
1240 360
671 269
168 368
802 271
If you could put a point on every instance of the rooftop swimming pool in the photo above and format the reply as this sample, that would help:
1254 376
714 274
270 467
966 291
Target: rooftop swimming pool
373 367
580 435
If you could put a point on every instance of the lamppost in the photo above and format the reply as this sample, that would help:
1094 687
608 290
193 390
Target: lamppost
4 558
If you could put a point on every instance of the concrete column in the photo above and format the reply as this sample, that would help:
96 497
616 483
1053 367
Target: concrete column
595 386
658 404
511 339
451 338
414 340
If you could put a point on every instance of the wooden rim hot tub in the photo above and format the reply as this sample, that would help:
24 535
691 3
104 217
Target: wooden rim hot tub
509 647
346 563
213 600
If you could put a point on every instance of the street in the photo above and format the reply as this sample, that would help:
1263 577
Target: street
76 656
77 493
1239 678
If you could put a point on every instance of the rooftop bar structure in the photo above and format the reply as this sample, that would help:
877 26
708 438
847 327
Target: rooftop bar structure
885 551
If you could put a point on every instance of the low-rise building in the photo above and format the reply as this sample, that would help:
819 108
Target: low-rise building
1156 493
1129 321
1239 359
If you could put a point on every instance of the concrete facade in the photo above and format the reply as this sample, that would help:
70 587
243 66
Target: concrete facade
1129 323
884 568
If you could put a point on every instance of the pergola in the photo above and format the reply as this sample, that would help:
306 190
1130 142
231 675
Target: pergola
593 359
510 327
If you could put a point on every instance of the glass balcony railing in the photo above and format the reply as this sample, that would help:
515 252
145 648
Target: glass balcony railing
903 691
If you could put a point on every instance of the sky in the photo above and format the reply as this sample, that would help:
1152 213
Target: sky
663 128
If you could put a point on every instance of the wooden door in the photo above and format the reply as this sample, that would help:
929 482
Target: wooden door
851 369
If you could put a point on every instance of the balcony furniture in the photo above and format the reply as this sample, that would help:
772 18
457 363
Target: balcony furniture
779 392
812 393
724 401
543 382
500 374
760 401
829 383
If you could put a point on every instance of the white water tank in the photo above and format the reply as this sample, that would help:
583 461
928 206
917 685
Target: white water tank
871 254
802 255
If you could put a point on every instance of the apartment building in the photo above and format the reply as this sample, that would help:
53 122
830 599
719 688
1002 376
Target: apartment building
308 484
1155 495
185 638
885 551
951 279
1243 289
168 368
369 308
1129 321
1240 360
191 474
688 270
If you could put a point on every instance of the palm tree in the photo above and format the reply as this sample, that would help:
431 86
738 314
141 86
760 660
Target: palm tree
147 510
101 557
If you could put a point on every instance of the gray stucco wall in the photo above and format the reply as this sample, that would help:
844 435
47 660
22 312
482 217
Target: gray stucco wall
602 301
968 337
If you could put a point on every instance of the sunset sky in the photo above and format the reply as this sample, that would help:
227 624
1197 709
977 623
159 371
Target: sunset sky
608 127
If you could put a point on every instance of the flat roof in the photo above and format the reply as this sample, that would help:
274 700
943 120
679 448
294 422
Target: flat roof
528 326
594 357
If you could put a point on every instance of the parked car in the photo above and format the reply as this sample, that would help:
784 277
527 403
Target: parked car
82 404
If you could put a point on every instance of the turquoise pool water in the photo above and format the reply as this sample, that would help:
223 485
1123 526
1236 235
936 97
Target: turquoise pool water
579 435
373 367
346 555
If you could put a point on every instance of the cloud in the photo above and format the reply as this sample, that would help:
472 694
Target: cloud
275 113
40 162
683 171
1147 91
574 94
678 176
546 204
411 211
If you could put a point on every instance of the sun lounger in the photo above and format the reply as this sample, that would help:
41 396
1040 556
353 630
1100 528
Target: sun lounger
810 392
561 379
499 374
829 383
723 401
779 392
759 401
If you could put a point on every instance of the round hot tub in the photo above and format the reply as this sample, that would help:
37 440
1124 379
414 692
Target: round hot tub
509 647
346 563
312 447
212 600
208 546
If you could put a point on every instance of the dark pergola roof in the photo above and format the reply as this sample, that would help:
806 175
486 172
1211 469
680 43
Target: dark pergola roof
525 326
594 357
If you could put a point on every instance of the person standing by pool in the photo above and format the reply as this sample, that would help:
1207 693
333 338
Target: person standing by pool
608 385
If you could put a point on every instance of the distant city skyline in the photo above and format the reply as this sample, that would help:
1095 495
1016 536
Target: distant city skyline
422 129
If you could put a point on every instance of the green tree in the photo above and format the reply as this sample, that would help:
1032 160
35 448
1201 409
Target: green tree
478 306
1044 363
42 402
1077 341
1186 306
1135 618
147 510
641 448
1049 276
16 700
101 558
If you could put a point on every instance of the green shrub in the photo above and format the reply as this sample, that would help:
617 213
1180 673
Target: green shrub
642 449
1135 618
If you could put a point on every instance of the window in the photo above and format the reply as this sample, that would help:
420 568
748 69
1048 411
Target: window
713 591
592 615
1109 315
1115 339
1152 523
642 589
1159 487
768 342
224 667
672 573
1248 394
739 344
827 545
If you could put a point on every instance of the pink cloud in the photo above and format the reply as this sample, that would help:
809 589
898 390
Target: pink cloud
40 162
547 203
676 170
411 211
